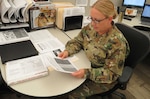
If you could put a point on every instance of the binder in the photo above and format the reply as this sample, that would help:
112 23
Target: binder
18 50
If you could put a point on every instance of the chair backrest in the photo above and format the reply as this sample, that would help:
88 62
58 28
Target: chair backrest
139 43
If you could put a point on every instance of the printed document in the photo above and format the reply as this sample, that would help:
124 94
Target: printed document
61 65
14 35
25 69
34 67
81 2
44 41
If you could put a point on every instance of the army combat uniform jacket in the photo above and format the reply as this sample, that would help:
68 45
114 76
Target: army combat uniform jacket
106 52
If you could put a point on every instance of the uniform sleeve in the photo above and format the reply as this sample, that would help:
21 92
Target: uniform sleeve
113 63
75 45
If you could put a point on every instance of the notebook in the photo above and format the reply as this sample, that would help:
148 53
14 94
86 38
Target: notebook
17 50
145 16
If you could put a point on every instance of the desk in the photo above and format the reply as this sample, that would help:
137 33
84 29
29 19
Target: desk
134 22
56 83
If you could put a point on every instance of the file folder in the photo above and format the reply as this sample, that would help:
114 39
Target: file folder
18 50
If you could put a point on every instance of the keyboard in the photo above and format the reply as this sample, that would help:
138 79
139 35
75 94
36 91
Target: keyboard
145 23
143 28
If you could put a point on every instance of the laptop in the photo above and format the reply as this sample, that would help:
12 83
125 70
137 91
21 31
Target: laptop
145 16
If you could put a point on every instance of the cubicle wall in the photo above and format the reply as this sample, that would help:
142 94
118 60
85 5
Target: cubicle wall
87 8
116 3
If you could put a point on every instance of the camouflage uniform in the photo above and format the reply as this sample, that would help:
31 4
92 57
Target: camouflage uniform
106 53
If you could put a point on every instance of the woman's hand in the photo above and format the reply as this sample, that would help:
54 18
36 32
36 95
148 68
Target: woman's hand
79 74
63 54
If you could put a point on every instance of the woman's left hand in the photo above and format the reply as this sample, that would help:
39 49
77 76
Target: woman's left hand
79 74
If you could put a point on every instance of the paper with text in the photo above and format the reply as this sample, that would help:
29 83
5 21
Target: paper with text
25 69
81 2
62 65
44 41
14 35
48 45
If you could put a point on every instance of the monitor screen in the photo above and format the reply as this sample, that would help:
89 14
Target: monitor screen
134 3
146 11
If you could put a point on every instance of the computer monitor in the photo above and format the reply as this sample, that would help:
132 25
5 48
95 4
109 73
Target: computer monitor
145 16
133 3
146 11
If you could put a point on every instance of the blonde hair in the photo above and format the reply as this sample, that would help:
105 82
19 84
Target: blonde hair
106 7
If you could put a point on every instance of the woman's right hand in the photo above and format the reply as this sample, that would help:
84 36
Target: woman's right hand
63 54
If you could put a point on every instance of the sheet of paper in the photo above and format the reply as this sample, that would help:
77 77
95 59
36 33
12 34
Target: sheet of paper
40 35
44 41
81 2
14 35
62 65
25 69
48 45
73 11
92 2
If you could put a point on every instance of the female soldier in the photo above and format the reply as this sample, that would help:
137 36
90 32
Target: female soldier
106 48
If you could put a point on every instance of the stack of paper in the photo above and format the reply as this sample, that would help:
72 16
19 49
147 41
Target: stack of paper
49 47
24 70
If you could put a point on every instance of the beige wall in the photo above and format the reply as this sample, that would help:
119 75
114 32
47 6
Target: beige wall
148 1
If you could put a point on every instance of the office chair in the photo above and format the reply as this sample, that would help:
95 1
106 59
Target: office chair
139 48
3 87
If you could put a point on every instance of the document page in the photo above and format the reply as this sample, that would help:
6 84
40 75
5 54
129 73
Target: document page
14 35
81 2
40 35
73 11
25 69
62 65
44 41
48 45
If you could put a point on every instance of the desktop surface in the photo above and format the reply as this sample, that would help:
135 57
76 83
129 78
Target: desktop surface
56 83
